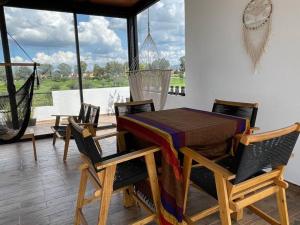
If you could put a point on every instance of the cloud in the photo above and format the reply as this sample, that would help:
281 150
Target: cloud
19 59
40 28
167 23
101 38
67 57
96 32
56 29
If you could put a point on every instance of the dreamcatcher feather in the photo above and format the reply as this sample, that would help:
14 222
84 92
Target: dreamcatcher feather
257 21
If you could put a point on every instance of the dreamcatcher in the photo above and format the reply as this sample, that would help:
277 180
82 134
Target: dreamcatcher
257 28
152 79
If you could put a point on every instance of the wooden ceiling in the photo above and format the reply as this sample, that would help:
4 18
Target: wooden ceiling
113 8
120 3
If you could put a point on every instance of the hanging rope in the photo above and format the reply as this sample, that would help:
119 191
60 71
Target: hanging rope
148 51
23 50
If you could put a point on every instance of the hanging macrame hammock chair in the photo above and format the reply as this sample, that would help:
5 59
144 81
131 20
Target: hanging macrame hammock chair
148 78
14 119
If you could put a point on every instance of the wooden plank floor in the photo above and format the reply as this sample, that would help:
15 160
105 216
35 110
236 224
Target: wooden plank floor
44 192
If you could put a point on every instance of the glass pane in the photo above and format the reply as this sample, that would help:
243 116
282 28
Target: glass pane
104 61
167 27
3 89
48 38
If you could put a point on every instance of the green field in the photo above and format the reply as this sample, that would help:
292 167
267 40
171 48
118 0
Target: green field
43 95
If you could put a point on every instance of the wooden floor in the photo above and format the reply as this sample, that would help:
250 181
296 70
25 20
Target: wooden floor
44 192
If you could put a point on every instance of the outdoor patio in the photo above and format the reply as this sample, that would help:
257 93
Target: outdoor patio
168 112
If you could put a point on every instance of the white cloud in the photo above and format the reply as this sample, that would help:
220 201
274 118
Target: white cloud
56 29
56 58
40 28
69 57
167 22
99 37
19 59
97 32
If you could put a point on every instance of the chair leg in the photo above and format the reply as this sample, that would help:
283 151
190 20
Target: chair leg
187 166
81 193
223 200
34 148
237 216
54 139
152 173
67 141
106 194
282 207
128 200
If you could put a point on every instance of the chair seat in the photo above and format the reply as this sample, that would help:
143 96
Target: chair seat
204 178
129 173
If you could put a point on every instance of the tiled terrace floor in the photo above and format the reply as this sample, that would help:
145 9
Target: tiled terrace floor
44 192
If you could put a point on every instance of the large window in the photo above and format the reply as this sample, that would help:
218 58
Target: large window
167 24
104 60
48 38
3 89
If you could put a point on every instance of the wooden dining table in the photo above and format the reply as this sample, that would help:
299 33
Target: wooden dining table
172 130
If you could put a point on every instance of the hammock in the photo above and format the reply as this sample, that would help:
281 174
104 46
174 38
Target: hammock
23 96
148 77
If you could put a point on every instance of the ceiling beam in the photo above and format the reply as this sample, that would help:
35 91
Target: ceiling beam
142 5
82 7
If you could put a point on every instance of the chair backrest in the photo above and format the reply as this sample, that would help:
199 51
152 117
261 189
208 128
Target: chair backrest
84 113
240 109
123 109
265 151
84 141
94 115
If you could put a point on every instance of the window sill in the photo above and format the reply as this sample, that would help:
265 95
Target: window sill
176 95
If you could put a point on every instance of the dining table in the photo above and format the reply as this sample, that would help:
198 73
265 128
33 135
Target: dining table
209 133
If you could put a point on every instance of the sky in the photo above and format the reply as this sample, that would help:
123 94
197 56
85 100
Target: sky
48 37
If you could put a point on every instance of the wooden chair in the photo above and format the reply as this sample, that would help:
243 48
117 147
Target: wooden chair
123 109
113 173
92 118
59 130
88 116
240 109
240 181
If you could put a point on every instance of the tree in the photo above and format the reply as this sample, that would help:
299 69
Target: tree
22 72
182 64
2 73
64 69
45 70
56 75
162 64
98 71
84 66
114 68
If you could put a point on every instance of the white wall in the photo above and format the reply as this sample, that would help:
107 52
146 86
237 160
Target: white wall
218 66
